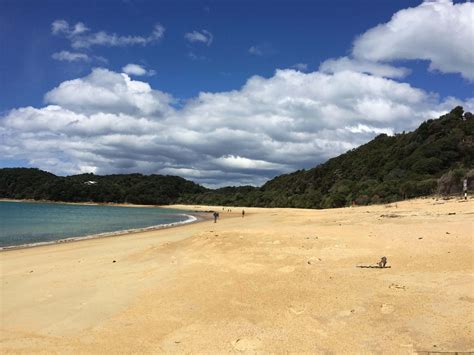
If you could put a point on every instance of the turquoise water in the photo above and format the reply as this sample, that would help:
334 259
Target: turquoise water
26 223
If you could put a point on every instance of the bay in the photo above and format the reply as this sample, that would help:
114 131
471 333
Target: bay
30 223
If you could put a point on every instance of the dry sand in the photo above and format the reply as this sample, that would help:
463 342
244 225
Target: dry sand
277 280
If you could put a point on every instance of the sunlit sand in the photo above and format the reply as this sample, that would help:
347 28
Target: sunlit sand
277 280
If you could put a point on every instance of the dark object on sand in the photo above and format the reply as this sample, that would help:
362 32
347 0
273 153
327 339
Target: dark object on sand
390 215
216 216
380 265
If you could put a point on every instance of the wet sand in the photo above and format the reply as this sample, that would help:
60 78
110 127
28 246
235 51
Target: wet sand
277 280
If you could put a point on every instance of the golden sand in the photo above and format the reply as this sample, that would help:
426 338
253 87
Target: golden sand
277 280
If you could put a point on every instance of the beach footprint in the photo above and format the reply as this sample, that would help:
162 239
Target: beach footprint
352 311
250 268
287 269
387 308
467 299
297 309
247 344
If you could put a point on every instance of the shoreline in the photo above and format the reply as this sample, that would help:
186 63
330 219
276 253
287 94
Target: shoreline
212 208
193 218
112 204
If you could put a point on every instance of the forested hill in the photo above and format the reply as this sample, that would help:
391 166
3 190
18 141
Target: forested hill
25 183
434 158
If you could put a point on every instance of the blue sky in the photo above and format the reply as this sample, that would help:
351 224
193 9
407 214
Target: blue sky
295 32
239 40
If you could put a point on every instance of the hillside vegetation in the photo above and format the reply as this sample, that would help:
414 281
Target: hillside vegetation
435 158
26 183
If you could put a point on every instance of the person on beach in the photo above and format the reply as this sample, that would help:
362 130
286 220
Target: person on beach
216 215
243 213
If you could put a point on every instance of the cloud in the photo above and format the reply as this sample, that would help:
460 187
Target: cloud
108 123
195 56
439 32
202 36
300 66
255 50
71 56
81 37
240 163
137 70
362 66
62 27
107 91
261 49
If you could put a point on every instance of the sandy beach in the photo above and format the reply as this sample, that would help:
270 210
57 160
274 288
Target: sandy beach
278 280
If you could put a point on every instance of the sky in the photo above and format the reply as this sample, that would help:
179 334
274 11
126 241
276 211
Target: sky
222 92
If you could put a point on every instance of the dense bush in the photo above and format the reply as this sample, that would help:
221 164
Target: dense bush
22 183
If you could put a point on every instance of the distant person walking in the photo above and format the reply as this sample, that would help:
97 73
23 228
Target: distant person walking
243 213
465 189
216 216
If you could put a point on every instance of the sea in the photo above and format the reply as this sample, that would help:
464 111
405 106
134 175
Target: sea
31 223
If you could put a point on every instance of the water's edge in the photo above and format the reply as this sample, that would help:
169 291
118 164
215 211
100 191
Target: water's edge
192 218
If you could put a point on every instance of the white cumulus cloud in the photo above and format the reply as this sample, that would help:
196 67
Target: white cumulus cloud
437 31
107 91
108 123
440 32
